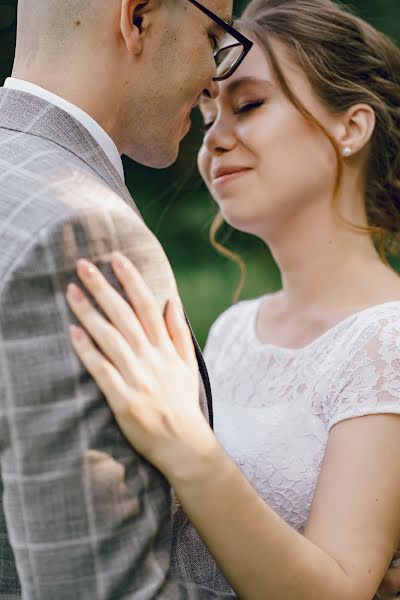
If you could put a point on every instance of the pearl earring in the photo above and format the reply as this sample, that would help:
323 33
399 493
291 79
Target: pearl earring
347 151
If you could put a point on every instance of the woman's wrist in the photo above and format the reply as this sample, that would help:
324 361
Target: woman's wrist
199 460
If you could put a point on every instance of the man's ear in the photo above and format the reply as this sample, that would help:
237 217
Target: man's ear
133 23
357 127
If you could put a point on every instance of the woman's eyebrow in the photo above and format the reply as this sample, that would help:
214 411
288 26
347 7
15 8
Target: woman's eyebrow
236 84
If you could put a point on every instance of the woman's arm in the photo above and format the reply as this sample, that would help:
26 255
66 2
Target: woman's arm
149 379
351 535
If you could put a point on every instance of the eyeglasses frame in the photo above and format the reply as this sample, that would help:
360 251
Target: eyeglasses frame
243 40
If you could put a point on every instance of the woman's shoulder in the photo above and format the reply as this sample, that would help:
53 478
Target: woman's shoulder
380 323
368 378
232 321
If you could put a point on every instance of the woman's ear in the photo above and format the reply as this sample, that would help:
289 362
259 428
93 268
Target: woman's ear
356 129
133 23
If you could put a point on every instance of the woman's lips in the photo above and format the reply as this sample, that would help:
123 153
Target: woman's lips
225 178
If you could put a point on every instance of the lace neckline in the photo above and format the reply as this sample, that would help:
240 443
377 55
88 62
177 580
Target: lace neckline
283 349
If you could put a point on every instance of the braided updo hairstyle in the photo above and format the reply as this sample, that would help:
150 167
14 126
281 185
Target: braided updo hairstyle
347 62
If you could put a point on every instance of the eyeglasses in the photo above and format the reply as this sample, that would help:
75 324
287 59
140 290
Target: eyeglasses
232 49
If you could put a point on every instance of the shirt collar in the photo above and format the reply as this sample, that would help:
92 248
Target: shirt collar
99 134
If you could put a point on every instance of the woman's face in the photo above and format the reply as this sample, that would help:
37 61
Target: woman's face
261 160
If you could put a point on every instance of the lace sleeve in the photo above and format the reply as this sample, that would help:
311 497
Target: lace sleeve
369 381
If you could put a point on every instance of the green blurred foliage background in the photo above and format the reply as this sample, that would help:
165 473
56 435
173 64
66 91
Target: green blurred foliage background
177 207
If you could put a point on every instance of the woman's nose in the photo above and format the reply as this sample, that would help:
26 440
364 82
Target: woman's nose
220 137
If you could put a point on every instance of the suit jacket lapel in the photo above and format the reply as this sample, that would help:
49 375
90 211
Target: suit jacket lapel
204 375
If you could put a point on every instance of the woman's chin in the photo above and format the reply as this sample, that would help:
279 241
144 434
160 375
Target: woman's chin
238 220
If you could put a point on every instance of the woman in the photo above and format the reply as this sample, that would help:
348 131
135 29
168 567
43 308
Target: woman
311 115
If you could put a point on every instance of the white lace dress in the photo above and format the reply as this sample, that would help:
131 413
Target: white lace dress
274 406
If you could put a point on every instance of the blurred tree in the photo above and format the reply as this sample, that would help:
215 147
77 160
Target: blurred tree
178 208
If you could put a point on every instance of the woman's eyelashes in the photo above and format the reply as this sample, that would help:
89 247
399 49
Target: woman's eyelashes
245 108
249 106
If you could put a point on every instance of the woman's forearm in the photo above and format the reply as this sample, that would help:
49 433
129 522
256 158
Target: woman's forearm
261 555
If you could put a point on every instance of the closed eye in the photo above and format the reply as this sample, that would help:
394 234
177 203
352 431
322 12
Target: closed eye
246 108
214 43
249 107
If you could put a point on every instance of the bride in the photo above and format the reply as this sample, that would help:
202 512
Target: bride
302 474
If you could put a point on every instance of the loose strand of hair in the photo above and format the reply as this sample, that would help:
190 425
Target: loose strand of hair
236 258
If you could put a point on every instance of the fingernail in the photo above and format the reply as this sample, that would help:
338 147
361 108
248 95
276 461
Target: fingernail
76 332
119 261
86 267
75 293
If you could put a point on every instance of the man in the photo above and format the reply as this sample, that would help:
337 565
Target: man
82 516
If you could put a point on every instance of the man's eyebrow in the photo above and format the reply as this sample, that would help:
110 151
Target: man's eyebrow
220 28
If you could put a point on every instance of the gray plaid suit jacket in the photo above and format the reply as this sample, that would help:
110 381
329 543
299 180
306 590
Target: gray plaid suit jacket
82 515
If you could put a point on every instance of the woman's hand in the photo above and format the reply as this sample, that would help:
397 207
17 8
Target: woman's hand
146 367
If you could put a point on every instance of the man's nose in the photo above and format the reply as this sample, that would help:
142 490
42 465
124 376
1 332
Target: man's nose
211 91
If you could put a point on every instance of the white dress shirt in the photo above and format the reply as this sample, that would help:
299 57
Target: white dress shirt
101 136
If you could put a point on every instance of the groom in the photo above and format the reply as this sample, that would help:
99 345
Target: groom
82 516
